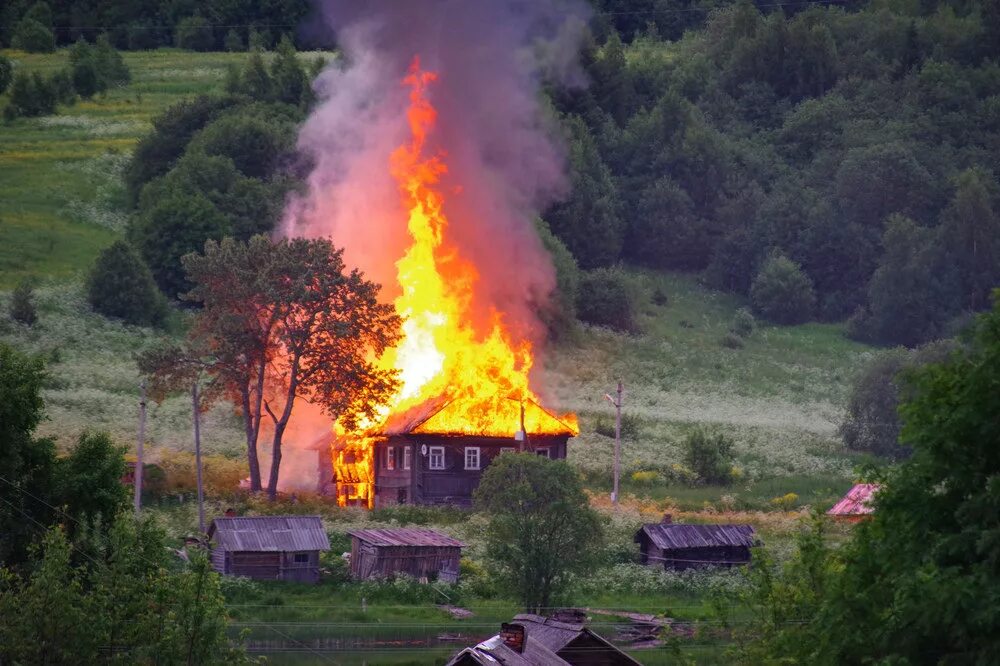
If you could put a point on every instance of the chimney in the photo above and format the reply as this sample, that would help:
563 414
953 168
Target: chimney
667 519
512 636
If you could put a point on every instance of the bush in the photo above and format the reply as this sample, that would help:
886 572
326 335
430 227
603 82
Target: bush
743 323
709 456
609 297
33 37
786 502
121 285
781 292
110 65
630 426
194 34
22 306
732 341
30 95
233 41
6 73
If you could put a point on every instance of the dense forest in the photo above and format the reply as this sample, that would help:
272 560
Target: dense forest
829 161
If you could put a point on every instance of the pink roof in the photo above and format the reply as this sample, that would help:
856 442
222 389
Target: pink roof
857 501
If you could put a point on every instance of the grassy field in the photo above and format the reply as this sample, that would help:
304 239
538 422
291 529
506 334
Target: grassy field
60 175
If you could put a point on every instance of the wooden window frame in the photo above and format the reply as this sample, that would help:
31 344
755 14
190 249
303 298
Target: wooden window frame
544 451
479 460
432 451
390 458
407 457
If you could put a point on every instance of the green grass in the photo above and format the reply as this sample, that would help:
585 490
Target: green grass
60 175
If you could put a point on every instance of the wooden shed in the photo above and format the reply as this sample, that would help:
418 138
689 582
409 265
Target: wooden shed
856 505
421 553
681 547
268 547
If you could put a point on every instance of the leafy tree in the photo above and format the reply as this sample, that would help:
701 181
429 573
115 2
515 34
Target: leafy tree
33 37
90 481
559 309
6 73
22 304
289 79
121 285
233 42
613 88
30 95
27 465
255 144
971 229
256 82
312 331
709 456
86 76
666 232
258 40
194 34
608 297
110 64
538 513
781 292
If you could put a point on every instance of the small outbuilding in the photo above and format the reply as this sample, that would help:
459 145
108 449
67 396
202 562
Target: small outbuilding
268 547
421 553
856 505
543 641
681 547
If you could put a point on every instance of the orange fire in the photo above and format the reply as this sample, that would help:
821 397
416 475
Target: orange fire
479 382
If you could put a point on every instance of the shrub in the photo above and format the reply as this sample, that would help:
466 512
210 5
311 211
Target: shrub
33 37
609 297
194 34
30 95
86 78
62 87
630 426
781 292
709 456
110 65
743 323
732 341
22 306
646 477
121 285
786 502
6 73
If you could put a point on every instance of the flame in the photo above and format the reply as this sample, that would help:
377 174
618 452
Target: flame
467 382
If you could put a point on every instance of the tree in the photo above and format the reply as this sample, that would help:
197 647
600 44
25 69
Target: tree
33 37
83 68
289 79
281 321
22 304
233 42
30 95
541 527
666 233
90 482
6 73
255 144
608 297
27 465
110 64
781 292
709 456
558 311
256 82
194 34
121 285
971 230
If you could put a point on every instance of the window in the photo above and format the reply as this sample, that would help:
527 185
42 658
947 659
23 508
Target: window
390 457
437 457
472 457
406 457
301 558
544 451
507 449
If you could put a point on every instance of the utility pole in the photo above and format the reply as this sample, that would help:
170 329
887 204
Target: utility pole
196 417
618 438
140 440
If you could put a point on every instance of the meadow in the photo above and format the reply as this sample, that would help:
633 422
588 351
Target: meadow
780 397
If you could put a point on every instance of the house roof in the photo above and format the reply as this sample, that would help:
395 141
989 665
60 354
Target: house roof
669 536
269 533
857 501
488 417
544 638
406 536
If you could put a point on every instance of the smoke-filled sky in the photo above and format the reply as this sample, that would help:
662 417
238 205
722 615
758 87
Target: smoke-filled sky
503 160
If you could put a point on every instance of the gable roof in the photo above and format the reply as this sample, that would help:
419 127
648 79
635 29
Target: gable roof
544 638
269 533
406 536
669 536
857 501
491 417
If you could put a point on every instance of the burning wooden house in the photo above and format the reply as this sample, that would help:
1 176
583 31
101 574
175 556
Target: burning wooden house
679 547
533 639
421 553
268 547
435 455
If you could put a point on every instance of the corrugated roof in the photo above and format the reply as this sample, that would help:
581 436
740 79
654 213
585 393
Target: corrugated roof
857 501
269 533
406 536
669 536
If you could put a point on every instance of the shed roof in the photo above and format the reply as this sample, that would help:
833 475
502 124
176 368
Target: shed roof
406 536
669 536
269 533
857 501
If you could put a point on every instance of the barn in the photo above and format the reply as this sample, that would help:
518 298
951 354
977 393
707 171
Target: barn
421 553
679 547
533 639
418 461
268 547
856 505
